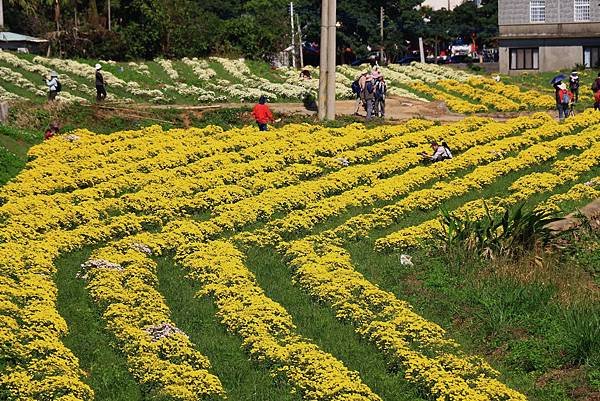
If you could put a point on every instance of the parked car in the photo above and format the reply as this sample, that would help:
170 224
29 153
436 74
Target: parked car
409 58
371 58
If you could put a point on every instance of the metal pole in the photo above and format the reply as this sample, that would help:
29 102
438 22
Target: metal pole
1 14
323 61
331 60
293 35
109 24
300 41
381 35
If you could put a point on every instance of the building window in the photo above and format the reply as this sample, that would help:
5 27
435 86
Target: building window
524 59
591 57
582 10
537 10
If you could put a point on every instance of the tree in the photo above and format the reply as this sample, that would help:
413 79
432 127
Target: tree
26 5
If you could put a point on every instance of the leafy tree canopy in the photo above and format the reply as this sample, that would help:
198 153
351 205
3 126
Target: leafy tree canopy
249 28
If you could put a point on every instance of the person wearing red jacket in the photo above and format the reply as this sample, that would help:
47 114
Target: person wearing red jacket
564 97
262 114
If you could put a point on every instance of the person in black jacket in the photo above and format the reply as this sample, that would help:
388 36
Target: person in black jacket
574 85
100 84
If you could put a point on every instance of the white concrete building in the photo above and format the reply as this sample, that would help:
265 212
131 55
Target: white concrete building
548 35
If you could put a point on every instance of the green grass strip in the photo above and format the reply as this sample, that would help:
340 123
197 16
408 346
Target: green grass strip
242 378
106 372
318 322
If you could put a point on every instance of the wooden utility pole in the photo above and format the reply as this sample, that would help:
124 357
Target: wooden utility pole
381 36
109 23
322 104
1 14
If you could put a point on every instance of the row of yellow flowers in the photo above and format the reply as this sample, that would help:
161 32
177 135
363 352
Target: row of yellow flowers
427 199
488 98
528 98
305 219
579 192
454 103
562 172
225 179
428 358
122 281
468 84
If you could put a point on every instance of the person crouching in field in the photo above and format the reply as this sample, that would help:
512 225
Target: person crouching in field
440 153
51 131
262 114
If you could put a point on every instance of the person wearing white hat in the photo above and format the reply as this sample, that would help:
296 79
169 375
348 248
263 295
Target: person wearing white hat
100 84
53 86
574 85
565 98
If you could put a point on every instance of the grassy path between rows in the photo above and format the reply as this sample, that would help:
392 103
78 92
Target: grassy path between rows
318 323
242 379
104 367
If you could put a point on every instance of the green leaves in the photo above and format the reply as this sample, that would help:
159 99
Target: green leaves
510 234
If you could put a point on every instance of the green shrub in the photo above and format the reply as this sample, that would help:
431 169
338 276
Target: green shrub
19 134
532 354
506 303
10 165
582 323
511 234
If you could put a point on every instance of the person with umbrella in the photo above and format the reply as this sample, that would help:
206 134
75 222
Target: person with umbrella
556 82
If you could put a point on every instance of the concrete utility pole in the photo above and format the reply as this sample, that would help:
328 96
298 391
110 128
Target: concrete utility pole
293 35
327 58
331 60
323 61
381 36
421 50
300 41
109 25
1 14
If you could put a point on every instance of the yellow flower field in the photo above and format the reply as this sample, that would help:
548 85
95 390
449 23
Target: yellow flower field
203 198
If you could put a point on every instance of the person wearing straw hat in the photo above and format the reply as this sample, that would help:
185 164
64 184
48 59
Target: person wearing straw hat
53 86
574 85
100 84
369 96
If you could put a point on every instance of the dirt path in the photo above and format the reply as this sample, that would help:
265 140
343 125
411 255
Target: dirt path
398 109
